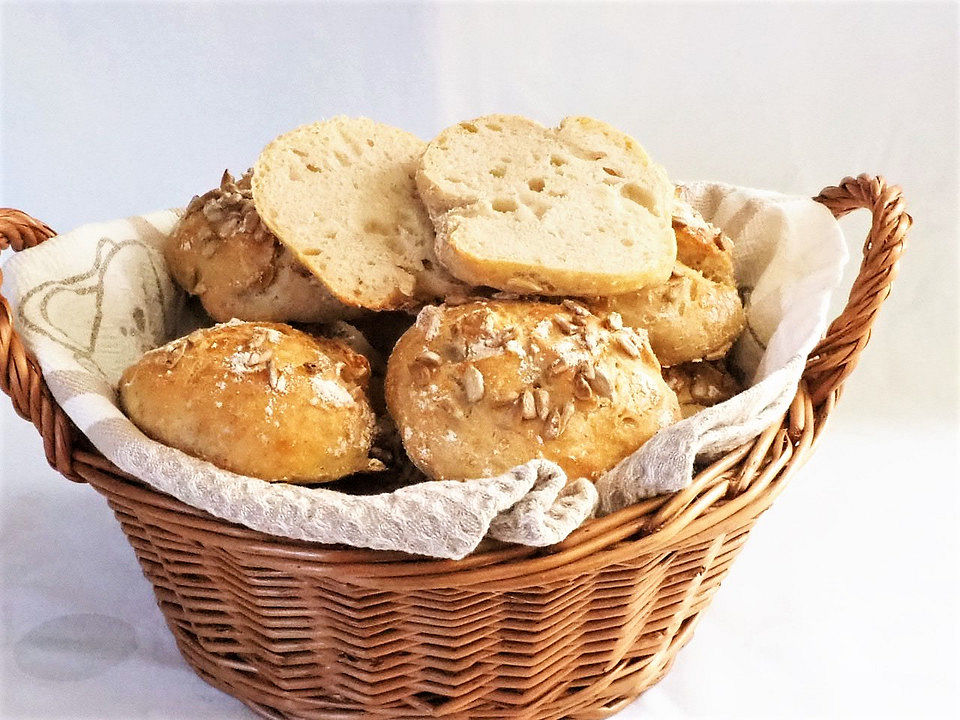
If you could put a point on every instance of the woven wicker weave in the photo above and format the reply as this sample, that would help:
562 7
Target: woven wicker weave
578 630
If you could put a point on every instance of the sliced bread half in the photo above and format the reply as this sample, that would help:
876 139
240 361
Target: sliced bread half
341 196
577 210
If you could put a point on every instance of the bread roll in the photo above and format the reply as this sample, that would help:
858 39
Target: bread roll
579 210
341 196
260 399
702 246
687 318
478 388
700 385
221 252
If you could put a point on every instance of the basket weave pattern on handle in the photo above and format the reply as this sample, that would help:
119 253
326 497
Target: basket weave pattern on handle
578 630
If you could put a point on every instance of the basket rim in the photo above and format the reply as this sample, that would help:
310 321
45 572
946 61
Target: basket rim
744 481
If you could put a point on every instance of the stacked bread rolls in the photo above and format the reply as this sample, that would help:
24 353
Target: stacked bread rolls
568 305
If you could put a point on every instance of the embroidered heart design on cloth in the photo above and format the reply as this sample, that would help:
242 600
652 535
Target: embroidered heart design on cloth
110 314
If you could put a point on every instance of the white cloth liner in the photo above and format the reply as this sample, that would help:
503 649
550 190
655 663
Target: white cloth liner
91 301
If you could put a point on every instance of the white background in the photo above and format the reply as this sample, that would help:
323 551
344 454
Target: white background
845 601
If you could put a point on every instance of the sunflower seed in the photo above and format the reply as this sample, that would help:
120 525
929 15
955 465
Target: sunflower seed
528 408
587 370
565 414
601 384
556 423
551 426
174 355
420 373
559 366
228 227
272 374
628 346
581 388
429 358
542 402
473 384
614 321
576 308
566 327
250 220
212 212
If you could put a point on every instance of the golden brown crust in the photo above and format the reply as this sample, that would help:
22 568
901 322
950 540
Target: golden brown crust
688 318
700 385
222 252
479 388
259 399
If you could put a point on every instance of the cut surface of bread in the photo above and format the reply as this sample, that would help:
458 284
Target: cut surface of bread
576 210
341 196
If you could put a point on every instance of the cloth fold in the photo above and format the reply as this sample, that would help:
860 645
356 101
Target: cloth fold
91 301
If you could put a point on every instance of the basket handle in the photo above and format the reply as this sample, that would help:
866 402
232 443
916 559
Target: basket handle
837 354
20 375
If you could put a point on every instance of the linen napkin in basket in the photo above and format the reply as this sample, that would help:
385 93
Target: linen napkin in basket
90 302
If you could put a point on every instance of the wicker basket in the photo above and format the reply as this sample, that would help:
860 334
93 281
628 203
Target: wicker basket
577 630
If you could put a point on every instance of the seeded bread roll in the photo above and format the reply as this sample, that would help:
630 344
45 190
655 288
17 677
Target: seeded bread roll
702 246
478 388
221 252
260 399
341 196
687 318
700 385
579 210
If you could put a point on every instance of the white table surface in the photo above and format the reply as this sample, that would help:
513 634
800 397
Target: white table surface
844 603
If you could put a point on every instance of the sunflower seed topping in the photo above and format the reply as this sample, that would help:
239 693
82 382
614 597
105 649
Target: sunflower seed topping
473 384
601 384
576 308
551 427
566 327
556 423
276 377
542 402
587 370
528 408
559 366
429 359
581 388
627 345
174 355
614 321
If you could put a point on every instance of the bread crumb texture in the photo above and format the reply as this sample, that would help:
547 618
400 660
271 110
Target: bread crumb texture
341 196
578 210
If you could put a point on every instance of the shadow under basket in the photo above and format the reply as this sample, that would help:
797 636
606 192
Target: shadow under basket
576 630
